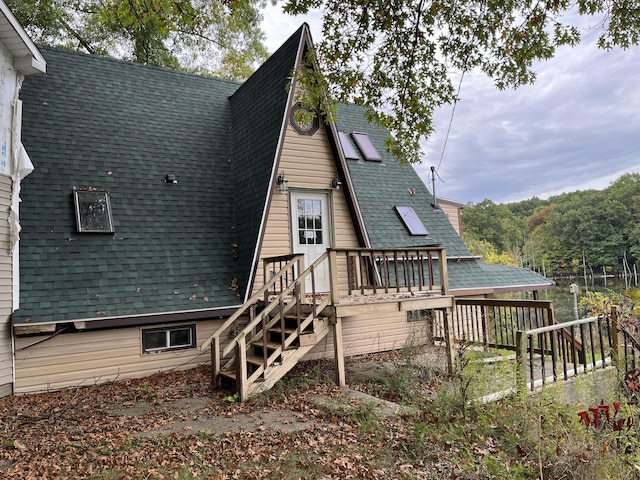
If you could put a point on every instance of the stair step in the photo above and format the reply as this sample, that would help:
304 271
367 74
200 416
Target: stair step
287 331
255 360
271 345
230 374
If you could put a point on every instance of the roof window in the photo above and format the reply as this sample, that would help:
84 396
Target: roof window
411 220
366 146
93 210
347 148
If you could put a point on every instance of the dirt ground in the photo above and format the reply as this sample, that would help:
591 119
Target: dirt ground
195 414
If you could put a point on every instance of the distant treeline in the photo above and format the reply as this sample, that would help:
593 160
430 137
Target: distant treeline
566 234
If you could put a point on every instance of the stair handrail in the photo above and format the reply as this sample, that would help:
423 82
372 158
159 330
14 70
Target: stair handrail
249 303
274 303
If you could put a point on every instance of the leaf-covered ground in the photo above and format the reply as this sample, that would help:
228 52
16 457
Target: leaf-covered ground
173 426
127 430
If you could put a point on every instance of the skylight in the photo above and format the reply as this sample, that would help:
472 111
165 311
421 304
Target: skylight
366 146
348 150
93 210
411 220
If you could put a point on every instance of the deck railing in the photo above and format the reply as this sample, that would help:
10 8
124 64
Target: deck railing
494 323
629 350
365 271
547 354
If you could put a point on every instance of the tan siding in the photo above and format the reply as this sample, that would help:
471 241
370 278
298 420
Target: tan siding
452 212
308 163
6 284
374 333
88 358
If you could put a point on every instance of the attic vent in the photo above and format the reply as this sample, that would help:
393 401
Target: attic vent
411 220
348 150
366 147
93 210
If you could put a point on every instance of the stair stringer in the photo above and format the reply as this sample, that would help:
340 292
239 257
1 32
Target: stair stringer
290 359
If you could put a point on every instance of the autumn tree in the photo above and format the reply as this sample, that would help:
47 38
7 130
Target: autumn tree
220 37
398 58
495 224
626 190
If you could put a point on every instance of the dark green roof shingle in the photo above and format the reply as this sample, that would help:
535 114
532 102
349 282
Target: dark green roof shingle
97 122
379 186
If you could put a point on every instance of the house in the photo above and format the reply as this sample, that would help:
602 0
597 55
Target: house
19 57
163 204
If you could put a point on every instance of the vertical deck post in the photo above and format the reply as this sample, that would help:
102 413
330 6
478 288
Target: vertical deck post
338 350
241 369
334 285
215 360
265 278
521 362
300 267
444 274
448 341
615 338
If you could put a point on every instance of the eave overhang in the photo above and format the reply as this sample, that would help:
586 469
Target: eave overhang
27 59
99 323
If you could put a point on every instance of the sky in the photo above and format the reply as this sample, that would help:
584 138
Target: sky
576 128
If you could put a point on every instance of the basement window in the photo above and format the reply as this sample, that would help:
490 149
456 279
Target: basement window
168 338
93 210
366 147
411 220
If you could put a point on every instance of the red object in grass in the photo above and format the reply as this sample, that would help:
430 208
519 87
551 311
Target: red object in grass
584 416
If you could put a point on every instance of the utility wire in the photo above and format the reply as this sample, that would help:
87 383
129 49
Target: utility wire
453 112
455 102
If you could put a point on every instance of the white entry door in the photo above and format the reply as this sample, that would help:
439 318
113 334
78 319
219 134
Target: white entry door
311 233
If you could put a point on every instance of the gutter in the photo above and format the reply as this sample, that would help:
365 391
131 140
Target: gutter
98 323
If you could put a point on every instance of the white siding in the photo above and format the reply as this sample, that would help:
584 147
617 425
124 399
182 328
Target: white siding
7 92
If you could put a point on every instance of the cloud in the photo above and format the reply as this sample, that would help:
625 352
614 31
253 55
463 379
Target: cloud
577 127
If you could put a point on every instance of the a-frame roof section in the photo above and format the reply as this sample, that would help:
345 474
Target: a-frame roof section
26 57
97 122
380 186
258 110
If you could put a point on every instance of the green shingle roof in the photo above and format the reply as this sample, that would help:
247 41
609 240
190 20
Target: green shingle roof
381 185
473 274
98 122
258 108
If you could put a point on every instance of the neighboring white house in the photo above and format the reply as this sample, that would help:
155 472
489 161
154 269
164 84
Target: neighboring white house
18 57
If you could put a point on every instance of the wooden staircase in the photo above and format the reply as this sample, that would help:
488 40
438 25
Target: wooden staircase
287 317
269 361
283 325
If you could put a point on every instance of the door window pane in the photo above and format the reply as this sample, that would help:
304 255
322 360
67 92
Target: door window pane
309 222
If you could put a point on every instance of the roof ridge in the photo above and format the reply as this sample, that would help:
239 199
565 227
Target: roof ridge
275 56
61 49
